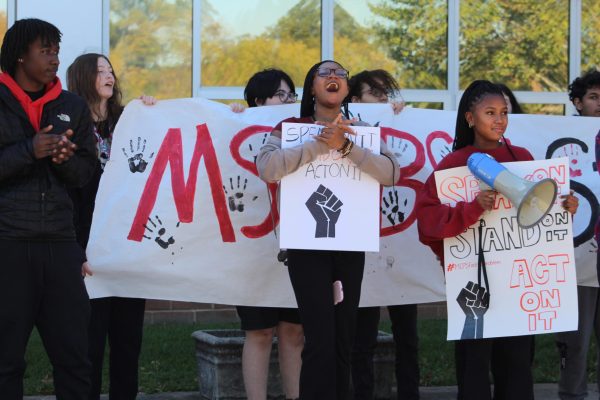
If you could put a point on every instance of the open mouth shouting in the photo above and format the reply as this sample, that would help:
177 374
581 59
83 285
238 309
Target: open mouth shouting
332 86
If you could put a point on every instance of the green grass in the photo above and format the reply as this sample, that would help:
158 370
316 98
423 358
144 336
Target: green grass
168 362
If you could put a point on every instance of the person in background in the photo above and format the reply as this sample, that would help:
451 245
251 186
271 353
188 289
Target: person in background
511 100
378 86
328 327
46 145
268 88
119 319
375 86
481 121
573 346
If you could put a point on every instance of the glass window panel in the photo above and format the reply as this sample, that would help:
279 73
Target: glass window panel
590 41
150 47
242 37
523 44
406 38
546 109
3 19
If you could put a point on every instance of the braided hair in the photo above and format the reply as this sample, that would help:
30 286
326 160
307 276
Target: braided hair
20 36
477 90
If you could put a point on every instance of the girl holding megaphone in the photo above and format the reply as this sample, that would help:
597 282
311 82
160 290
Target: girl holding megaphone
481 121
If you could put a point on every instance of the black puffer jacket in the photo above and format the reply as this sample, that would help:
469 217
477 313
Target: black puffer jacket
34 203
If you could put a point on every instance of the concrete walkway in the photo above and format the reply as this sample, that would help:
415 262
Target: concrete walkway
543 391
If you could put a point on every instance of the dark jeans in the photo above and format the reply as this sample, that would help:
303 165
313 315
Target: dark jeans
121 320
472 359
328 329
41 285
404 329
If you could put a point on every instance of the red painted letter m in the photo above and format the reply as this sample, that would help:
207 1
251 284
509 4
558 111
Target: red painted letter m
171 151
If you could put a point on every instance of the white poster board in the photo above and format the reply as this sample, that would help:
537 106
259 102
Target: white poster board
329 203
531 272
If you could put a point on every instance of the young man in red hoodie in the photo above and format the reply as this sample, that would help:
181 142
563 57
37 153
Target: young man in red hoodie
46 145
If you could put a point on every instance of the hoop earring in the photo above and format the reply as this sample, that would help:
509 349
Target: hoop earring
471 125
20 60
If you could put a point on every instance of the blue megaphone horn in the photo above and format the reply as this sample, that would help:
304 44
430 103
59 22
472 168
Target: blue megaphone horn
532 199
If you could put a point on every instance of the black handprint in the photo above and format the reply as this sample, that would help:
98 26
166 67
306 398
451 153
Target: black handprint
253 152
325 208
235 199
398 146
161 231
474 301
391 207
136 161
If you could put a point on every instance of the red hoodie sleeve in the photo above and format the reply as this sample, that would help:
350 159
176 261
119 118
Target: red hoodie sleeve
436 221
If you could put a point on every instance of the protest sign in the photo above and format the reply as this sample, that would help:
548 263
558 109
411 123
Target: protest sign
531 283
329 203
181 213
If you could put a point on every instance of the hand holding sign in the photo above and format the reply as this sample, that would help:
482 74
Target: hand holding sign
325 208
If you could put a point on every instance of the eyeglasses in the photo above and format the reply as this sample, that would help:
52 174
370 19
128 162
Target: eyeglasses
339 72
286 97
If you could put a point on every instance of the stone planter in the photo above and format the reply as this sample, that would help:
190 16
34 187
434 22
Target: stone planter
219 357
383 367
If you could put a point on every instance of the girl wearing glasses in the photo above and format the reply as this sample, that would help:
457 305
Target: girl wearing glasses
266 88
269 87
328 328
376 86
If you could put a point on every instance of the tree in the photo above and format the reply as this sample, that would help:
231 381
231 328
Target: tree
414 34
590 43
293 44
3 24
151 47
522 43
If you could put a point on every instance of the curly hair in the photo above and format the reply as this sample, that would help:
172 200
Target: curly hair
579 87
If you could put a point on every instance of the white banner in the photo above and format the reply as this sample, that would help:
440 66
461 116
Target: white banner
531 272
329 203
192 222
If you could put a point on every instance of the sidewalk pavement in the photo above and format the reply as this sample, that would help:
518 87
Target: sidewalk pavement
543 391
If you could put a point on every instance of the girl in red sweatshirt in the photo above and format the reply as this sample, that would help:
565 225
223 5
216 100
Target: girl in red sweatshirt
481 120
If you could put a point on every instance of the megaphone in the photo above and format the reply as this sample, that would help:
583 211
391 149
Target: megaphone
532 199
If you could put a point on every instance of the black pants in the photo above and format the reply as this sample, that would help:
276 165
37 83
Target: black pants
328 329
41 285
404 329
473 367
122 321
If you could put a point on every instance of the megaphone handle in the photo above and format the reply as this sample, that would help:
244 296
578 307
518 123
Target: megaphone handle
481 268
